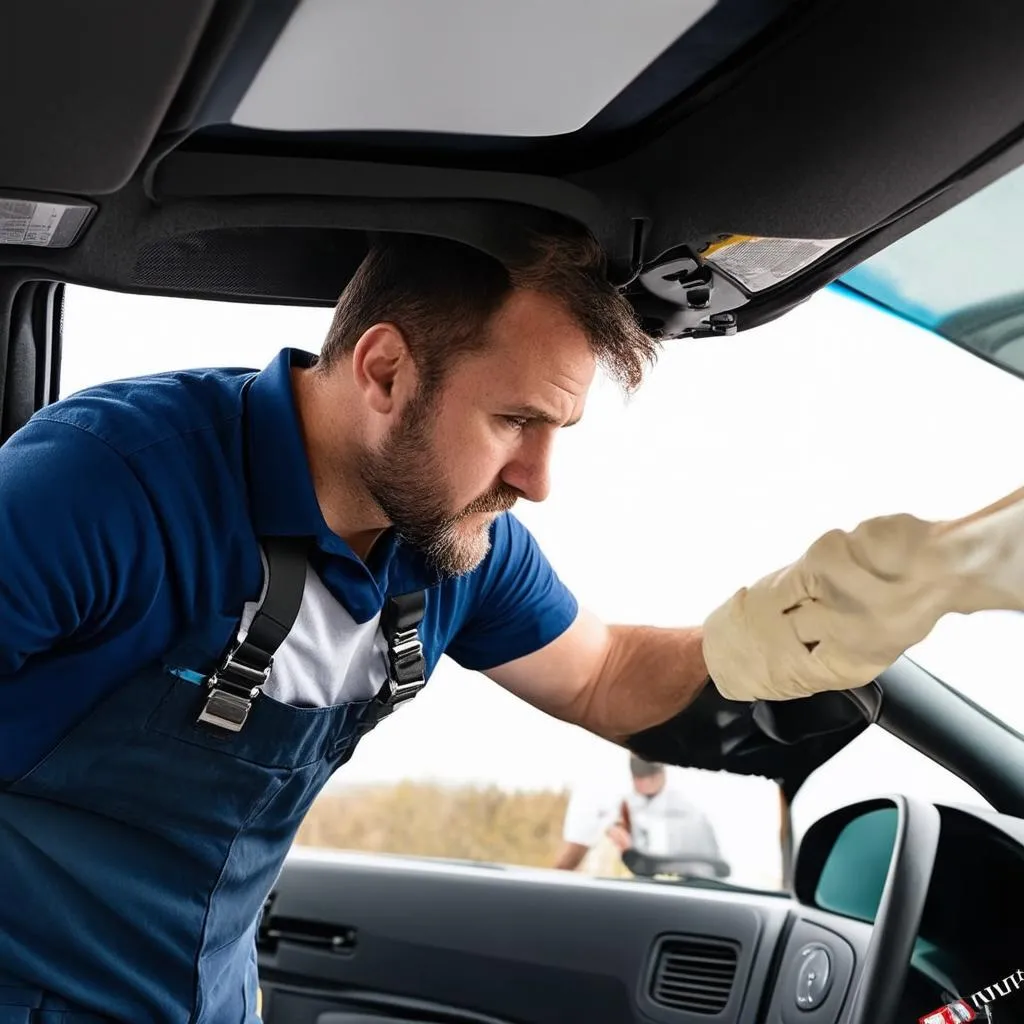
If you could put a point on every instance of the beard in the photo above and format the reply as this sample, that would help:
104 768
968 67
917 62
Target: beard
405 479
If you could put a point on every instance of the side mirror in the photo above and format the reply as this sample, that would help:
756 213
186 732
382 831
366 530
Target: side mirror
873 861
844 859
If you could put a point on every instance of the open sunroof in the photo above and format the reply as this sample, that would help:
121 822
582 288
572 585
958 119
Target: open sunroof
460 76
488 67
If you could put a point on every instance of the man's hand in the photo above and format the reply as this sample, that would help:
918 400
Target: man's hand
620 837
847 609
621 833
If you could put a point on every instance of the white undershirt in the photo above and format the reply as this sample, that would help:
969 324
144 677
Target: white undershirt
327 658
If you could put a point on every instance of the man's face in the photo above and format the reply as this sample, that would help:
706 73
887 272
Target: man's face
457 459
650 785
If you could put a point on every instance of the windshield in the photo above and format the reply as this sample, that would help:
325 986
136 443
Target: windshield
468 772
960 274
960 277
837 412
832 414
980 655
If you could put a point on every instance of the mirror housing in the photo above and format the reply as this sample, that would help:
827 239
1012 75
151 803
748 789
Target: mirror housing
844 859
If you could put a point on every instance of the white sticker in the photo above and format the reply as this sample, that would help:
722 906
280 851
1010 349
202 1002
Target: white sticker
759 263
24 222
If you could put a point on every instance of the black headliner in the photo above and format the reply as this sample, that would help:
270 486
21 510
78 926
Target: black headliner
840 118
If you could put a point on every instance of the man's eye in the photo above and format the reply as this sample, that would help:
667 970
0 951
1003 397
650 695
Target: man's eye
516 422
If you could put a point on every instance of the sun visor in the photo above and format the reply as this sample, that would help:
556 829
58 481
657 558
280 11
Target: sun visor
531 68
85 88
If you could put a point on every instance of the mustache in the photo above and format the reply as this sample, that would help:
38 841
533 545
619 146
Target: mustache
500 499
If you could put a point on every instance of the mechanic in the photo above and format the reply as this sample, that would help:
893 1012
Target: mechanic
652 813
215 582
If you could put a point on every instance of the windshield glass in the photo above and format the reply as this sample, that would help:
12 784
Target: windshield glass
468 772
960 275
733 457
980 655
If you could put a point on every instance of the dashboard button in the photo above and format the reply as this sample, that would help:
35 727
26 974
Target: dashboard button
813 976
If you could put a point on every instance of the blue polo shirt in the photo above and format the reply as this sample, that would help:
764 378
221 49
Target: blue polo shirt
129 522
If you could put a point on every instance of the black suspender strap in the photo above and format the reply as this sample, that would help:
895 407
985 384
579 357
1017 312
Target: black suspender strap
245 670
239 679
407 667
286 576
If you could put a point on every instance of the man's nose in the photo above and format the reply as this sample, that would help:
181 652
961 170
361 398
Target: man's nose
530 472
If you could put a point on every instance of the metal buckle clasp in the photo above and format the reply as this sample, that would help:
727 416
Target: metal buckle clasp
233 688
408 668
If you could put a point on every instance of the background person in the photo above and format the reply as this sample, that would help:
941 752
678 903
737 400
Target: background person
650 812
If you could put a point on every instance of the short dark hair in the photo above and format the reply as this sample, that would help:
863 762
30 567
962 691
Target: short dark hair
442 295
641 769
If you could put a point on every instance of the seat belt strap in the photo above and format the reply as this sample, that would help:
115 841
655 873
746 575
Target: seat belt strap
239 679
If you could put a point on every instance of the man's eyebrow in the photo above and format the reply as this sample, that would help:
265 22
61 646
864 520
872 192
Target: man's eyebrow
531 412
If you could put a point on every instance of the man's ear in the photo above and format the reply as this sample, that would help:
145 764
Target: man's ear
383 369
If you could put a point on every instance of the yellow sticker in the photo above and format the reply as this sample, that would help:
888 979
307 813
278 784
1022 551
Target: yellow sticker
727 240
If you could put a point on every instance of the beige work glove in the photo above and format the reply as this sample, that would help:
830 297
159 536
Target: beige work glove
850 606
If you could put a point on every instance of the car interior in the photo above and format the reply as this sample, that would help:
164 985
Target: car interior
733 157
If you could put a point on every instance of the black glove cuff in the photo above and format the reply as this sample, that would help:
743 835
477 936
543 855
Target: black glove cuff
691 736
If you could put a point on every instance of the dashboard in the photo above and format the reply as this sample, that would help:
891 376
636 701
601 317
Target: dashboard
971 932
360 939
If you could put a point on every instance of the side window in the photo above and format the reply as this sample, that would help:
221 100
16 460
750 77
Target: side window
110 335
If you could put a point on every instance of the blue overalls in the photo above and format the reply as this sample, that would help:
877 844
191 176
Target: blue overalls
140 850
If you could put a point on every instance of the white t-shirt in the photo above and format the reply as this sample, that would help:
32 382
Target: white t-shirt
664 825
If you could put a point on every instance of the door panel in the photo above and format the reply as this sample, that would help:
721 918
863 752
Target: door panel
353 939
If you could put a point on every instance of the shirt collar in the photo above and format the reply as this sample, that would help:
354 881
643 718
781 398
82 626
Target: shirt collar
281 488
284 502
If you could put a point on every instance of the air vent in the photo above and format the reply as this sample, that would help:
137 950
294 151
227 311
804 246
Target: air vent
694 974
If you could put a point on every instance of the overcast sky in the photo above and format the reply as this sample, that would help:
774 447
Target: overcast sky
732 458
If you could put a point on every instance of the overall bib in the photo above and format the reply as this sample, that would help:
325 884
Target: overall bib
135 857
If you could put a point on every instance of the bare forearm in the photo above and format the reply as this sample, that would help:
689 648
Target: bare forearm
570 856
649 675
